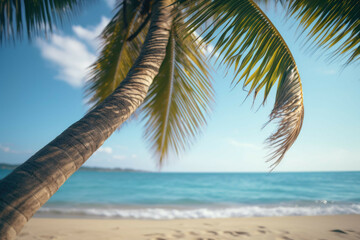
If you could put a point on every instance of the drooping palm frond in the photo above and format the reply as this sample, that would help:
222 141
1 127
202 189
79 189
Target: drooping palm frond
180 97
332 23
34 17
266 2
249 42
118 53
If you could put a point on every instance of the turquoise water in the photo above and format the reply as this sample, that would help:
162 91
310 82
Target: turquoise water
198 195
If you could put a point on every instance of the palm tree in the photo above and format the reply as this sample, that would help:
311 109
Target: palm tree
176 92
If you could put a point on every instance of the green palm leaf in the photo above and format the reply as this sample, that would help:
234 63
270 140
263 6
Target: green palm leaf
180 97
33 17
117 54
251 44
331 23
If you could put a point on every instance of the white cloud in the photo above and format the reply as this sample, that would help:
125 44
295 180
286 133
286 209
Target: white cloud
119 157
90 34
71 57
207 49
134 156
322 158
70 54
243 145
105 150
327 71
330 72
5 149
110 3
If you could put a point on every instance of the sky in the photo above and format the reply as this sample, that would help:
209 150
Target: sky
42 93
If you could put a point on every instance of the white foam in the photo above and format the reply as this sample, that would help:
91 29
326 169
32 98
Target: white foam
231 212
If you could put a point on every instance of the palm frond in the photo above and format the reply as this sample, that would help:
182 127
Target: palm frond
331 23
34 17
117 54
251 44
180 97
266 2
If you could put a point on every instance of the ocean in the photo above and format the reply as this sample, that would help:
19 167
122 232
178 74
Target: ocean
138 195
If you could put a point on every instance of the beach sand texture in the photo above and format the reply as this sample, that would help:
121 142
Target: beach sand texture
277 228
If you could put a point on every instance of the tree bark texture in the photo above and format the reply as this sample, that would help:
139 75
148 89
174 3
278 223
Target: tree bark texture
30 185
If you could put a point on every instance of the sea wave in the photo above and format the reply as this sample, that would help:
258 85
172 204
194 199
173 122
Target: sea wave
206 212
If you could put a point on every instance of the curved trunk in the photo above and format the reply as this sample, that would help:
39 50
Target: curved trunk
30 185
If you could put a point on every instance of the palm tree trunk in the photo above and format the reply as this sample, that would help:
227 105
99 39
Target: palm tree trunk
30 185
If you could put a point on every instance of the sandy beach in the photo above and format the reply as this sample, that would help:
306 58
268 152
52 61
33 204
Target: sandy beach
277 228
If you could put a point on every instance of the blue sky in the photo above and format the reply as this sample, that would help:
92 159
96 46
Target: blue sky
41 94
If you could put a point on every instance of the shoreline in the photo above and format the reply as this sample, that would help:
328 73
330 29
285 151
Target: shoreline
211 211
280 228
